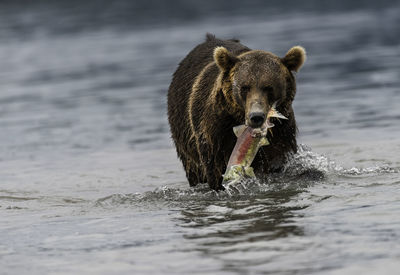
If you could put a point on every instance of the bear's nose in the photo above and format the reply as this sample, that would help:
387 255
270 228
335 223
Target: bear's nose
256 119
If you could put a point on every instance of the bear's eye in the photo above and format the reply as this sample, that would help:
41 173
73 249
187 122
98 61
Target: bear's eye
245 89
267 89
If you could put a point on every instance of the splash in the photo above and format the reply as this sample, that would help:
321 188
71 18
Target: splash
382 169
303 169
307 161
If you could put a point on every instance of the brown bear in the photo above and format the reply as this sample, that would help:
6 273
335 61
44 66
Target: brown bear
221 84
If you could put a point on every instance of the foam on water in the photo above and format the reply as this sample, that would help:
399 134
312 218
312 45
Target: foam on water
304 169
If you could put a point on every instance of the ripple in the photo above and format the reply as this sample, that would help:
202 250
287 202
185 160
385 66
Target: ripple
304 169
13 198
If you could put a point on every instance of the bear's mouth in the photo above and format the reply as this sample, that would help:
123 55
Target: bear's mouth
267 124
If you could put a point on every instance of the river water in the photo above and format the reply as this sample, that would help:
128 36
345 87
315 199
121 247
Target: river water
89 179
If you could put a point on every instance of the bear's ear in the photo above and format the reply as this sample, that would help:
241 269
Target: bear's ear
224 59
294 58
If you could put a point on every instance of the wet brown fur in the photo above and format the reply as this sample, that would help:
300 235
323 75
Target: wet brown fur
206 100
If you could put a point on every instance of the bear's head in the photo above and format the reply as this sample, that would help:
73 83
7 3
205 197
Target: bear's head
253 81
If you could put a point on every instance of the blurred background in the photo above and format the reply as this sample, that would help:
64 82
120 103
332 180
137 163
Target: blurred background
89 179
83 76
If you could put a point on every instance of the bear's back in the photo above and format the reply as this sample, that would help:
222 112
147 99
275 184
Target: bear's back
202 55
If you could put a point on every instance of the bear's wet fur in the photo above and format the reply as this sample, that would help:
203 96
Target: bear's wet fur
215 88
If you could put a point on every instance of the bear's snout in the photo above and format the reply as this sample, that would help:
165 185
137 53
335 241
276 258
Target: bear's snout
256 119
256 114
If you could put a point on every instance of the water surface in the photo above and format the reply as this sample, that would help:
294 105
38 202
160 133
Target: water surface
90 182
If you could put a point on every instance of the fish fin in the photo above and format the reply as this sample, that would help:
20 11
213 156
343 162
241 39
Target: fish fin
264 141
238 130
270 130
273 112
249 172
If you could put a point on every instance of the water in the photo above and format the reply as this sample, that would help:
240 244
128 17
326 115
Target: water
90 182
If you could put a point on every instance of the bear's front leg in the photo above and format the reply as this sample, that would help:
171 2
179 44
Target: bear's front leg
214 179
207 158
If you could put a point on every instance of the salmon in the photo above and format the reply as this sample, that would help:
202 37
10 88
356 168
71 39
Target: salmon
249 141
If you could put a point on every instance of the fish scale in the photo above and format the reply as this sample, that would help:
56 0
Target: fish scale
247 145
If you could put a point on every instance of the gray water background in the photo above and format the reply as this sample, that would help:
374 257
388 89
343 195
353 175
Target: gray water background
89 179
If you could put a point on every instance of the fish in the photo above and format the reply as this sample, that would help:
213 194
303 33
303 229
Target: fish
249 141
